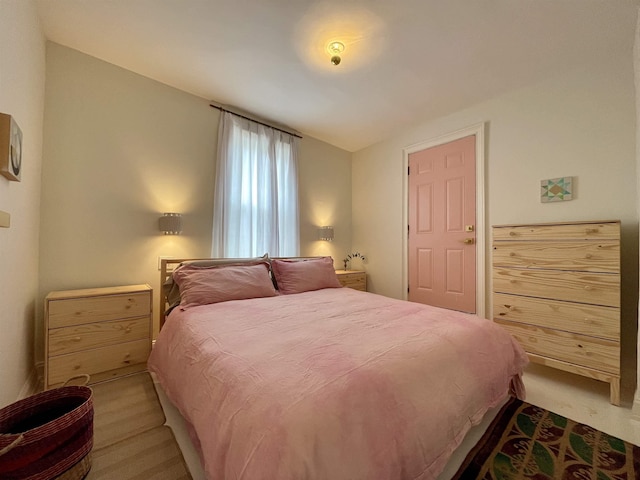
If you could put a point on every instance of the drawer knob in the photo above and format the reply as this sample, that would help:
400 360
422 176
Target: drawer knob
512 234
76 367
588 288
512 254
76 339
513 281
592 230
588 255
511 308
127 330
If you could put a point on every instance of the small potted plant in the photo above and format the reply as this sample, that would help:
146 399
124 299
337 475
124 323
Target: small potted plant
348 258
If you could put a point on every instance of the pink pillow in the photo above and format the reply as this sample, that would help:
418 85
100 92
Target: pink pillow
205 285
304 275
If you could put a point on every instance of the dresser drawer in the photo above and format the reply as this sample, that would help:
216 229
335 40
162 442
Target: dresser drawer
599 354
556 232
591 320
584 256
583 287
98 360
76 311
91 335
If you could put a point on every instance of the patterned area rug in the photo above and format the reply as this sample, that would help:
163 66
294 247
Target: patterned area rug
528 442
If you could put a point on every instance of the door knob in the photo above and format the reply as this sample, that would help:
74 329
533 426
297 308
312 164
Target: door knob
469 241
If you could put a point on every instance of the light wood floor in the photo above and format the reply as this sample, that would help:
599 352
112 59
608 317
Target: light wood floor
581 399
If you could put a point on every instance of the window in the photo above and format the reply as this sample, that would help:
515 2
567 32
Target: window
256 191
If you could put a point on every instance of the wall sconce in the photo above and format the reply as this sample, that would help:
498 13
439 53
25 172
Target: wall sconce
170 223
325 233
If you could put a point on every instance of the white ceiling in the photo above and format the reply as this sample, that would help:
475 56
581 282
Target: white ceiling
406 61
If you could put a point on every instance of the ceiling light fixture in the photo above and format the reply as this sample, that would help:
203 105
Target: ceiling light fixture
335 49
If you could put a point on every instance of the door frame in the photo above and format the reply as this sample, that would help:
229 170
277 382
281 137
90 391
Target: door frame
479 131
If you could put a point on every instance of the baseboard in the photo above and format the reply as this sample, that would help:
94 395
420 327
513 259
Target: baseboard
33 384
30 387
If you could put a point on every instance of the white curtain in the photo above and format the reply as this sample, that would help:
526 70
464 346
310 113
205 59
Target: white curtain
255 207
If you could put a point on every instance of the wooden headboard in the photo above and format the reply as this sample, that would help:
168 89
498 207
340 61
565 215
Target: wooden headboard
167 265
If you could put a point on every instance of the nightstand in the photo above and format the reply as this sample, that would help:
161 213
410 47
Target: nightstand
355 279
102 332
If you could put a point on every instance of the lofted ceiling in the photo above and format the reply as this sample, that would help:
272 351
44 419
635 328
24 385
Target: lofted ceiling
405 61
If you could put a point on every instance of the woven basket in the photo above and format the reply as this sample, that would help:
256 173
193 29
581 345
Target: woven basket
48 435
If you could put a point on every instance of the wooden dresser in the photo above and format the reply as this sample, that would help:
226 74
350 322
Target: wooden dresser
355 279
556 289
102 332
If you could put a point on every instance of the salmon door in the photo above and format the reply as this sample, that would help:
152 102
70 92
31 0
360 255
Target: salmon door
442 225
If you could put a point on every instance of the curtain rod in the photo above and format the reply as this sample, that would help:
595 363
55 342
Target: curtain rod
222 109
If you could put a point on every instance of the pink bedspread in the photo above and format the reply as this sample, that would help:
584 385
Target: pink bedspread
332 384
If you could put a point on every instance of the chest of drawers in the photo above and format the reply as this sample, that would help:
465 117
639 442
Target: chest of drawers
556 289
102 332
355 279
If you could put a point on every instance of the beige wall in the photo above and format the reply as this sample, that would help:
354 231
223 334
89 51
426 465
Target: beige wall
325 198
636 77
579 123
22 69
119 150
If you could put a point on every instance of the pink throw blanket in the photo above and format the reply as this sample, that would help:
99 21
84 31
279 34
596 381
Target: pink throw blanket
332 384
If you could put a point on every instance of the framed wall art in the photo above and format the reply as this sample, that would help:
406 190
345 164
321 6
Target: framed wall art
10 148
556 189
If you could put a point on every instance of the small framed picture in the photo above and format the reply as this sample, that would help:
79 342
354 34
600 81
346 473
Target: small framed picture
556 189
10 148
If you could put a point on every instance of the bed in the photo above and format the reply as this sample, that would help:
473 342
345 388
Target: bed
301 382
